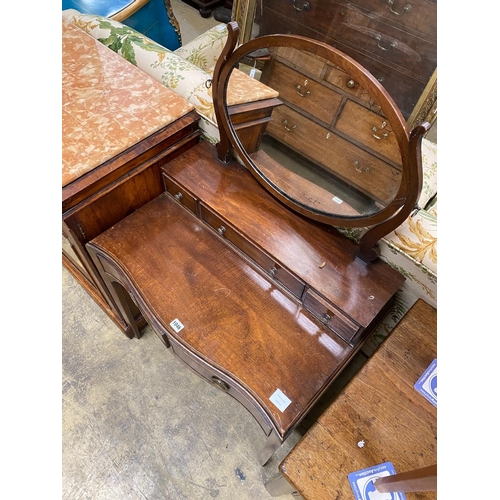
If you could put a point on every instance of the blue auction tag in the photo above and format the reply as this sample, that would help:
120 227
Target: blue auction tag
427 383
363 487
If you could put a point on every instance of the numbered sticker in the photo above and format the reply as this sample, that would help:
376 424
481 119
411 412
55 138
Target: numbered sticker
176 325
280 400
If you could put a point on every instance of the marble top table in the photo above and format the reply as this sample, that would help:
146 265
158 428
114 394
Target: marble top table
108 105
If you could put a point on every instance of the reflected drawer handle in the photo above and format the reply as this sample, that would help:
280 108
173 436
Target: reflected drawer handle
221 230
305 6
299 88
178 196
361 169
220 384
376 132
406 8
285 123
378 37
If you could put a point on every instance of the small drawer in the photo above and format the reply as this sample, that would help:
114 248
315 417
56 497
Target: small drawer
180 194
330 316
273 269
370 129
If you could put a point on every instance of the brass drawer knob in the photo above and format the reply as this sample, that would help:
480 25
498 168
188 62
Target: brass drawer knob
359 168
304 6
326 318
299 90
273 271
178 196
351 84
406 8
221 230
220 384
287 127
377 134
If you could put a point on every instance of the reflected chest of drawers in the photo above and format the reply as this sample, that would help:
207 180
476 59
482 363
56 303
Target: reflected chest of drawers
330 119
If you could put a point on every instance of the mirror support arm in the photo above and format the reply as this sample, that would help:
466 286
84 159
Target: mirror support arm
224 146
366 251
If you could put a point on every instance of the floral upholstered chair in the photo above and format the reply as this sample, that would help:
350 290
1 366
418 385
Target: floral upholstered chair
187 70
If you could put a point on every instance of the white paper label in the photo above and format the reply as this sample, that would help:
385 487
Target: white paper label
252 73
337 200
176 325
280 400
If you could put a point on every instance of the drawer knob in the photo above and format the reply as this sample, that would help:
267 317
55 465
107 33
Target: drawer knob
273 271
221 230
326 318
392 44
406 8
299 88
287 128
305 6
359 168
220 384
178 196
351 84
377 134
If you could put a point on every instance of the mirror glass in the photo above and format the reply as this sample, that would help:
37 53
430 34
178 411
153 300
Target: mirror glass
313 131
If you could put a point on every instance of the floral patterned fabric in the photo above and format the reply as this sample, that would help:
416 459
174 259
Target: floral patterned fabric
204 50
190 77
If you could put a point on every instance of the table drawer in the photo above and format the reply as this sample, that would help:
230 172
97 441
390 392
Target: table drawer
372 176
330 316
273 268
370 129
221 382
180 194
305 93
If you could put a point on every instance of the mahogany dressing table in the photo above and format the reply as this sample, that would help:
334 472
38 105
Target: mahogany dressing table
249 283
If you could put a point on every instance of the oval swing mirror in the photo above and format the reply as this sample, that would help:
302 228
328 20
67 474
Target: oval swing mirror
316 129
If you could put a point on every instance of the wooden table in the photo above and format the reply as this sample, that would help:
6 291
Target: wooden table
381 407
119 127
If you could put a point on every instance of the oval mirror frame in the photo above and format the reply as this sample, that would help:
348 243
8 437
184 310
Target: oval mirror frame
380 223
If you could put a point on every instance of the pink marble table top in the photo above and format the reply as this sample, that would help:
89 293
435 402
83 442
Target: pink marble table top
108 104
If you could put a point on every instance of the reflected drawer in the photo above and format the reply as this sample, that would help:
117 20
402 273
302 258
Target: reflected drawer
330 316
370 129
418 15
180 194
273 268
348 162
305 93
